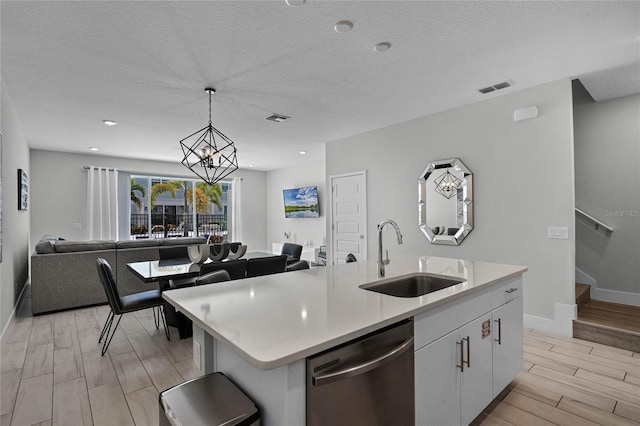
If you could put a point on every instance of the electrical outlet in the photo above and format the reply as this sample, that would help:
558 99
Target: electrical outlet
197 356
558 232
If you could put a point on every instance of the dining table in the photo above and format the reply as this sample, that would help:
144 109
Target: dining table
163 271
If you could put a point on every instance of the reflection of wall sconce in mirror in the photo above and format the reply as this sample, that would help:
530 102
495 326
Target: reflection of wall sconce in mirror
447 185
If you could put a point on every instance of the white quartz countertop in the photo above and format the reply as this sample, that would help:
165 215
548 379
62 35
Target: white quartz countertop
274 320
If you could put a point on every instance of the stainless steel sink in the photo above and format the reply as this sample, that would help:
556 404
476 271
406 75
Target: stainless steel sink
412 286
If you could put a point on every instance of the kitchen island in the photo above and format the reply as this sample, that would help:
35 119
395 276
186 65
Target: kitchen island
260 330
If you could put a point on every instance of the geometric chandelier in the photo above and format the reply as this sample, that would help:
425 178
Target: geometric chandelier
211 160
447 185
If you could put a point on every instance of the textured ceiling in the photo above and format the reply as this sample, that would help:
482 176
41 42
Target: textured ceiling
69 65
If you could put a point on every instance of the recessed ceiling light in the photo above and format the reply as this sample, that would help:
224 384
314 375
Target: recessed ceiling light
295 3
303 152
93 148
382 47
110 122
343 26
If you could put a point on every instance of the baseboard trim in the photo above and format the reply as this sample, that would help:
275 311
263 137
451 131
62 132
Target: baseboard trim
15 308
562 324
614 296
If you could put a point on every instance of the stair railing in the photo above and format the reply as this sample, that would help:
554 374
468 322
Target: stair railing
597 223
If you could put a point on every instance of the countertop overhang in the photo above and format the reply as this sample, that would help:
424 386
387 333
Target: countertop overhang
274 320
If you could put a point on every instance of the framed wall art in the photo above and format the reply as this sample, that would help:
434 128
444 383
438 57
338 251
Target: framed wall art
23 190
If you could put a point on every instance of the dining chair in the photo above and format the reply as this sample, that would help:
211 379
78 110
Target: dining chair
121 305
293 252
213 277
266 265
237 269
298 266
176 254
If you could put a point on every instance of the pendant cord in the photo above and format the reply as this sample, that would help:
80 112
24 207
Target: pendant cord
209 108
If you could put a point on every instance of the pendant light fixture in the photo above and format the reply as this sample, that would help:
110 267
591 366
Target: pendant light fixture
447 185
208 153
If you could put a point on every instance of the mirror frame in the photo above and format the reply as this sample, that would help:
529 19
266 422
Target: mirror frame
467 202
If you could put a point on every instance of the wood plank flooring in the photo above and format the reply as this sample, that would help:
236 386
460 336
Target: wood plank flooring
52 374
569 381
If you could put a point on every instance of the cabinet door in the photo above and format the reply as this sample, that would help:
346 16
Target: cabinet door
476 386
507 344
437 382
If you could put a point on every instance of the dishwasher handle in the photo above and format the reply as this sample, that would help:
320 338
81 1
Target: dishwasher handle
365 366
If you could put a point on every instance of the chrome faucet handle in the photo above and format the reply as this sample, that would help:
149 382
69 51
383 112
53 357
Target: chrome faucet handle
386 261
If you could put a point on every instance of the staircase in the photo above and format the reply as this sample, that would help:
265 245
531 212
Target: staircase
611 324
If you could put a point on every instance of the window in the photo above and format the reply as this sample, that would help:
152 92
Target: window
164 207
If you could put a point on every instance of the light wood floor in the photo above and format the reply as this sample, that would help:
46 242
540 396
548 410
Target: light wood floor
52 374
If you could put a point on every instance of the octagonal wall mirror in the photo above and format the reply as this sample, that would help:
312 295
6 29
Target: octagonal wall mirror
445 202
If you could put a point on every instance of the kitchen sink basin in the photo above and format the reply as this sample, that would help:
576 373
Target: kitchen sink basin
412 286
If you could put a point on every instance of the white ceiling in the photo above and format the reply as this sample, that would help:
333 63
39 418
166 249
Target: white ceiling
69 65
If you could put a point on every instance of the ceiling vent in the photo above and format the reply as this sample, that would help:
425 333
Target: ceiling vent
277 118
495 87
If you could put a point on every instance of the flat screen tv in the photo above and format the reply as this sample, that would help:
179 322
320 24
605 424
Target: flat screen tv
301 202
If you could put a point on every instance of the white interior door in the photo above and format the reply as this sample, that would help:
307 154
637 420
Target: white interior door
348 216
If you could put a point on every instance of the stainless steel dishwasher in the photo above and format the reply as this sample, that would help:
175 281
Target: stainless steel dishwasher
369 381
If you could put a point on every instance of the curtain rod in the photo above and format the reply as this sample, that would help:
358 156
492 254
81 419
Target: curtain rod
129 172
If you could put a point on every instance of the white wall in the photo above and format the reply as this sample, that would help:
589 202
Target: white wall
59 188
14 269
523 183
607 151
300 230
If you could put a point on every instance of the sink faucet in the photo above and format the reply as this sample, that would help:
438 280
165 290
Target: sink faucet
382 262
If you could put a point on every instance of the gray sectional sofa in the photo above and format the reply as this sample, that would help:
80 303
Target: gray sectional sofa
64 273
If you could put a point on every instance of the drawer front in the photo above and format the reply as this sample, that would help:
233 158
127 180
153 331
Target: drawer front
435 323
504 292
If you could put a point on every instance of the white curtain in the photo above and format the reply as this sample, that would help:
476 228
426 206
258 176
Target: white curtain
102 203
236 209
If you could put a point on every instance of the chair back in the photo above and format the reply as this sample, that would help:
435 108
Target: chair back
298 266
237 269
293 252
174 253
266 265
213 277
351 258
109 284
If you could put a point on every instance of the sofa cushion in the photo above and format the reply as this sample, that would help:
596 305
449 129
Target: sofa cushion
74 246
46 247
126 244
182 241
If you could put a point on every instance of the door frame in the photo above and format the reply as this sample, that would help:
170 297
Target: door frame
332 246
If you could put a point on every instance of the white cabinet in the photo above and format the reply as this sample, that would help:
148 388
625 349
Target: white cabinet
467 352
452 375
507 344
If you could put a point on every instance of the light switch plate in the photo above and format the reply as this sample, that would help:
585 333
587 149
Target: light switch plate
196 356
558 232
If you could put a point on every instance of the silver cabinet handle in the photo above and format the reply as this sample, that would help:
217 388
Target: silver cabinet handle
461 365
468 351
462 361
365 366
499 339
511 290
